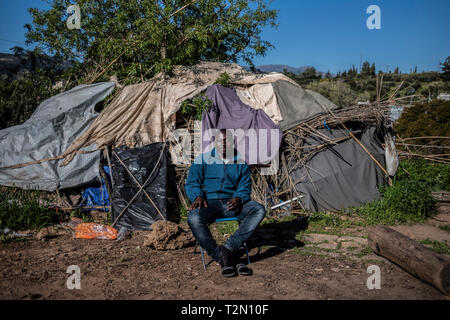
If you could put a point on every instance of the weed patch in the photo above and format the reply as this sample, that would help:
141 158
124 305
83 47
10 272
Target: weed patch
23 210
437 246
406 201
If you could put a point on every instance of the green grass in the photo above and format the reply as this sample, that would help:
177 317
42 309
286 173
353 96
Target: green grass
364 252
322 220
445 228
437 246
409 199
24 210
271 220
406 201
435 176
225 228
183 212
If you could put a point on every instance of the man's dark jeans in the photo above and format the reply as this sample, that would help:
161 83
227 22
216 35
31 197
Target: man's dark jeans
251 214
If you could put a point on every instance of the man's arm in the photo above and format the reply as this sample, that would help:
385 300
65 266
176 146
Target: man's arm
244 188
194 182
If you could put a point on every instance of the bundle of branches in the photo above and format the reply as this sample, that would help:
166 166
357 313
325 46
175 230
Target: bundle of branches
436 149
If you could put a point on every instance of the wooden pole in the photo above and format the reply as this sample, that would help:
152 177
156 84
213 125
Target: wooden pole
420 261
368 152
363 147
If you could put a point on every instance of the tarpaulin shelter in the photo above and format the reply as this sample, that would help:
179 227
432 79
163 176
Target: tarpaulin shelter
145 113
342 175
52 128
59 146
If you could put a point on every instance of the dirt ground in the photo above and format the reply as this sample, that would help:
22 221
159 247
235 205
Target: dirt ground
284 268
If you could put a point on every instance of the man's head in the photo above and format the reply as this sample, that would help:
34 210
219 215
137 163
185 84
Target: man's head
225 143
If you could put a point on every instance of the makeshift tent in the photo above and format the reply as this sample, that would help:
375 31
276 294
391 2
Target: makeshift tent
342 175
59 146
297 105
145 113
52 128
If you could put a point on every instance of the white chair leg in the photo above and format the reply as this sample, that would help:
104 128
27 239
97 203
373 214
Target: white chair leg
203 257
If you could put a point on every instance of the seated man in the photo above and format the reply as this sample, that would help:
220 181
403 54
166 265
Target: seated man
219 186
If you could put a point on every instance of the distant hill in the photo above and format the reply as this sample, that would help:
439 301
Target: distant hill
12 66
16 66
281 68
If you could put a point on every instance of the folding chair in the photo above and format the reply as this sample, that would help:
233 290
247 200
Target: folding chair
217 221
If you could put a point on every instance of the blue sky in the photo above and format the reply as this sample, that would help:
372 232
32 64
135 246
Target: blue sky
327 34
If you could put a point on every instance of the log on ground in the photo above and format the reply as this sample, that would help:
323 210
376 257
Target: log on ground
420 261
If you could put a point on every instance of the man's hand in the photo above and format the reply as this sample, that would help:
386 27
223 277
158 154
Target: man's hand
198 203
234 204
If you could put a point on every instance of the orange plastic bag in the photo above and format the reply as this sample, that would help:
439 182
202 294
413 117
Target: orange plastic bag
95 231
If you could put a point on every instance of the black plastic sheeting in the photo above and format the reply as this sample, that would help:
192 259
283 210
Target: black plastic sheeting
141 162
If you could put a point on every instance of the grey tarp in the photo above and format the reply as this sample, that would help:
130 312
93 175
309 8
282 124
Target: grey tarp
297 105
344 175
55 124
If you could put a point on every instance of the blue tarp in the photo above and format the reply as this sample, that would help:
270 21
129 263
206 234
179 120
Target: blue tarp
97 196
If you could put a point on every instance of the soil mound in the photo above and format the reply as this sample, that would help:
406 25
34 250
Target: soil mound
167 235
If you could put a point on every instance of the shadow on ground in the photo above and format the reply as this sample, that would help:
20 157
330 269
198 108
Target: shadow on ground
280 236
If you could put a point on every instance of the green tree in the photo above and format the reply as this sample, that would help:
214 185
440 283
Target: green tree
365 69
142 37
445 68
352 72
309 75
338 91
373 70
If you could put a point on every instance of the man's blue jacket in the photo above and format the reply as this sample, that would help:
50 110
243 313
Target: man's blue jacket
210 178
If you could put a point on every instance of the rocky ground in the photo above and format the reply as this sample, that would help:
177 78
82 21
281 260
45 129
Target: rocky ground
290 259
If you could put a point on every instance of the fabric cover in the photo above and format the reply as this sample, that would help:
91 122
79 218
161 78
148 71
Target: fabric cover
55 124
345 175
229 112
144 113
297 105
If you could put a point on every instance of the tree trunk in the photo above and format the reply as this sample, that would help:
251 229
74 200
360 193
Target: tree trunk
420 261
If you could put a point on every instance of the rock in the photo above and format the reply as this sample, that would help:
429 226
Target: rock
43 234
166 235
325 245
75 199
351 244
51 232
358 240
318 237
99 216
